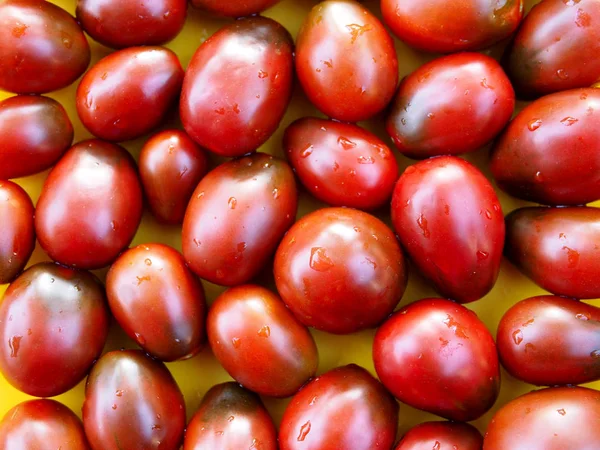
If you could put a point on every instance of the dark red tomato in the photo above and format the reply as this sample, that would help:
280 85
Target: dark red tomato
234 8
447 26
442 436
436 355
41 425
341 164
230 418
548 419
455 104
53 325
237 216
132 402
340 270
17 239
232 105
127 93
42 48
550 152
171 166
35 132
450 222
127 24
260 342
158 301
90 206
346 61
343 409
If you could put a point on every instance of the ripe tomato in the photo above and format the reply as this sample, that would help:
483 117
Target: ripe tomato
442 436
235 8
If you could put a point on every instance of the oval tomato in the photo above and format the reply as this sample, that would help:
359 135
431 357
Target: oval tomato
234 8
442 436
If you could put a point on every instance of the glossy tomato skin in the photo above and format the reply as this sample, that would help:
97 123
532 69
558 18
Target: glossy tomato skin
132 401
321 415
436 355
90 206
42 48
341 164
35 132
229 105
171 166
237 215
127 93
550 152
450 222
17 239
234 8
441 436
548 419
41 424
158 301
454 104
53 325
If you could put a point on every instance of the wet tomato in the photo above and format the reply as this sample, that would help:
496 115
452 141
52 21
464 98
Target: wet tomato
235 8
455 104
442 436
450 222
232 105
436 355
90 206
341 164
346 61
53 325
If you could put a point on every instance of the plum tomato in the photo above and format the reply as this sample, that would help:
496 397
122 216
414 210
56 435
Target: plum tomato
158 301
451 105
346 61
234 8
53 326
237 215
450 222
35 132
17 239
343 409
230 418
550 152
340 270
232 105
171 166
341 164
41 424
42 48
90 206
441 436
436 355
132 402
128 93
260 342
448 26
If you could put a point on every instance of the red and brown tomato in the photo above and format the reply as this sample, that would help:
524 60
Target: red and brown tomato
441 436
234 9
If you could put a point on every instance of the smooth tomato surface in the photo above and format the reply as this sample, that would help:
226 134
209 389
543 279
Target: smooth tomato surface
441 436
235 8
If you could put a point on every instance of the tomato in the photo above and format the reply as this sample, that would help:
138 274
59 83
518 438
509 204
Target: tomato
345 408
127 93
548 419
42 48
17 239
450 222
132 402
35 132
234 8
232 105
127 24
550 152
346 61
230 418
40 425
53 325
447 26
455 104
340 270
442 436
158 301
341 164
237 215
90 206
436 355
171 165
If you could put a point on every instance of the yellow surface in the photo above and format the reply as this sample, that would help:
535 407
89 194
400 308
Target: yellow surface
197 375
